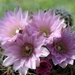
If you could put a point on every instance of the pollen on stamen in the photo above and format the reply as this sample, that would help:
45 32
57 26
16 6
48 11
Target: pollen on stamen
27 50
17 31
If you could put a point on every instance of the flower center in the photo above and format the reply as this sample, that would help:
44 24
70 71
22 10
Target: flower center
18 31
60 48
45 30
27 50
15 31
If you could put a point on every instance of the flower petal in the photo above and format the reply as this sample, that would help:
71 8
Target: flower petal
18 64
45 52
9 61
38 62
23 70
63 64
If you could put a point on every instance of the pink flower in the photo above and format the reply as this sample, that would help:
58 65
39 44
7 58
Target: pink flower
47 23
44 68
12 23
24 53
63 49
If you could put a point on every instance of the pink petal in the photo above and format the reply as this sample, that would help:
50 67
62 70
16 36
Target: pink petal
25 15
70 61
23 70
28 64
14 48
33 57
26 38
8 53
7 13
45 52
40 14
63 64
54 60
33 64
37 52
18 64
20 42
9 61
52 12
38 62
73 57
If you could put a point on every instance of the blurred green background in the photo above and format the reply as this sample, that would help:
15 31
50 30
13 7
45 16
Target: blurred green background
35 5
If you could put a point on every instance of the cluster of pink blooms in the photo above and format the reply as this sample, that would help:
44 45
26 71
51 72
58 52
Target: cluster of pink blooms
36 41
